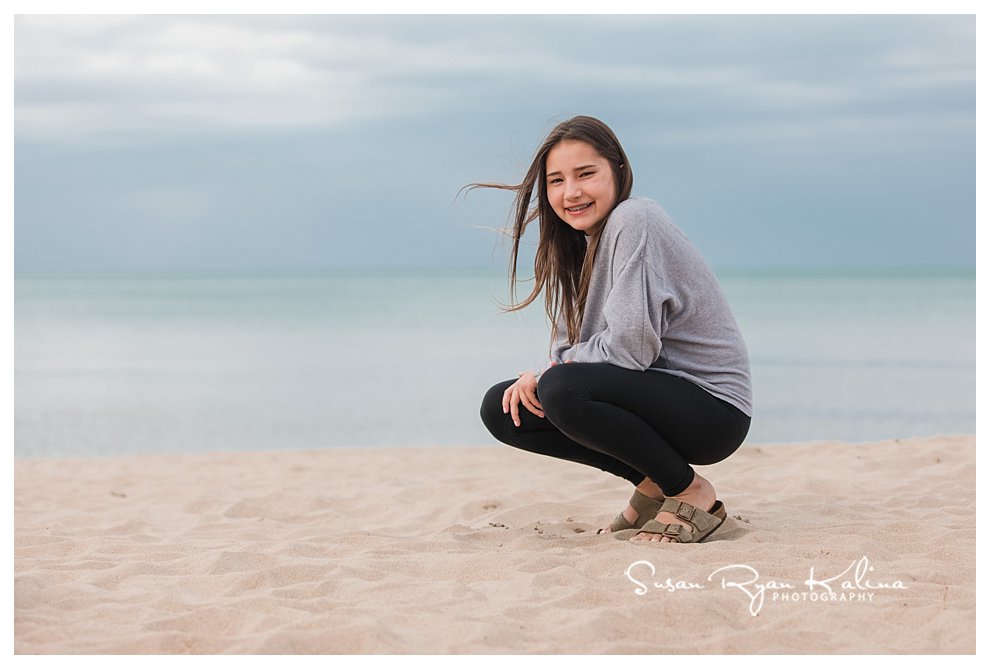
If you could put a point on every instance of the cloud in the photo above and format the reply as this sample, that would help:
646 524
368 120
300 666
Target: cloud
173 75
194 142
94 77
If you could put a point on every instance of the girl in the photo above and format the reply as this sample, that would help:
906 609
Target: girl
648 372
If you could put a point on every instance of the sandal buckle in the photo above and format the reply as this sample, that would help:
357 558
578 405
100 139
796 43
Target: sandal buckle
685 511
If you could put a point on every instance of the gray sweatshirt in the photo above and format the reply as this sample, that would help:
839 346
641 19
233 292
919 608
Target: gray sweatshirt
655 304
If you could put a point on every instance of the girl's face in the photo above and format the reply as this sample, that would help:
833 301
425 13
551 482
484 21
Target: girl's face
580 185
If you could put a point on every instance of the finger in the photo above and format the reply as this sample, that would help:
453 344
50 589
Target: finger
533 396
533 399
528 403
514 406
505 399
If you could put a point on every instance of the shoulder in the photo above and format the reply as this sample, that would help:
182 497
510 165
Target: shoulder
641 228
636 216
638 206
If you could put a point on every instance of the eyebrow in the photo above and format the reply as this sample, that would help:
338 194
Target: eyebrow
576 169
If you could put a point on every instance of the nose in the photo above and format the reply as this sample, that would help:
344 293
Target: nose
572 191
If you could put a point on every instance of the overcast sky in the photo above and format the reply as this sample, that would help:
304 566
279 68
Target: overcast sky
308 143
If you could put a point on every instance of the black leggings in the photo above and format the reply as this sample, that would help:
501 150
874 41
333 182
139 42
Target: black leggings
628 423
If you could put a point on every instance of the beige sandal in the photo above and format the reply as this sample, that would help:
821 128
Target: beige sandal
702 523
646 507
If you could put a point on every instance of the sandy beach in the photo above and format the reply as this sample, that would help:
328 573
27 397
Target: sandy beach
855 547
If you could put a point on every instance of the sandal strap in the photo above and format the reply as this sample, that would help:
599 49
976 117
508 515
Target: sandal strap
700 521
645 505
678 533
682 510
620 523
646 508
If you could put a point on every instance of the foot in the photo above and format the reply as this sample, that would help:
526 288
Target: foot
648 488
700 494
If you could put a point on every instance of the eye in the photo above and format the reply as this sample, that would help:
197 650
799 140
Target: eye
587 173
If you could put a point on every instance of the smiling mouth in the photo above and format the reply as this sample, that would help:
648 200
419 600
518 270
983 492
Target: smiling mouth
578 209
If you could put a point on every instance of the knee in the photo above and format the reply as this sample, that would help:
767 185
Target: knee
557 390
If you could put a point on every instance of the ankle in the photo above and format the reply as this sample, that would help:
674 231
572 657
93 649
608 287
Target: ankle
650 489
700 488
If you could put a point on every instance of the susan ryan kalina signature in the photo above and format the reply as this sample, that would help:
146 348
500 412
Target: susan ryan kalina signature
854 584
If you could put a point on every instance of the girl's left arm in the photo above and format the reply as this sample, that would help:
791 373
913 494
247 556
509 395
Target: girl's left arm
634 310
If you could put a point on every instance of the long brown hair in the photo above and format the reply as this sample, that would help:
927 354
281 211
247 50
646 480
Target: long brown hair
564 257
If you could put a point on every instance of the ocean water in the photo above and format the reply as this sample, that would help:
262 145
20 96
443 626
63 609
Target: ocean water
119 365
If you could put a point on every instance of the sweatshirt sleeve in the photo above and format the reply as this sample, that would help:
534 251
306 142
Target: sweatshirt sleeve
557 347
633 311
